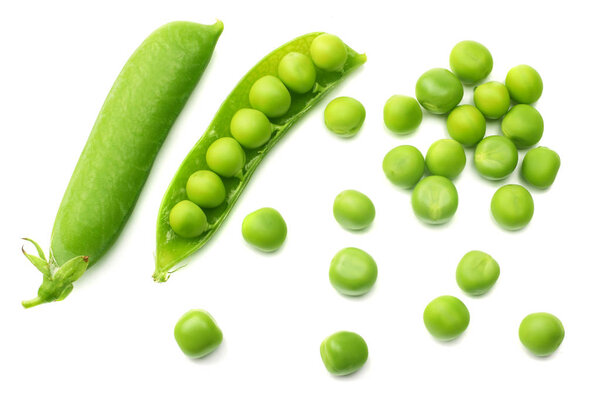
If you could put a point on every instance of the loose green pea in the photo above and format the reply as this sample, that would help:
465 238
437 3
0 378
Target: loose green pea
435 200
446 157
439 90
540 166
344 353
297 72
352 272
226 157
492 99
471 61
404 166
269 95
264 229
512 207
187 219
477 272
353 210
197 334
328 52
344 116
446 318
523 125
496 157
251 128
402 114
206 189
466 124
541 333
524 84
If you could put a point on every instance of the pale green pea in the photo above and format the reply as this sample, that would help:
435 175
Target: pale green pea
466 124
352 272
344 116
402 114
541 333
251 128
205 188
226 157
512 207
540 166
297 72
353 210
446 318
269 95
477 272
187 219
439 91
492 99
471 61
496 157
524 84
446 157
435 200
197 334
404 166
523 125
264 229
328 52
344 353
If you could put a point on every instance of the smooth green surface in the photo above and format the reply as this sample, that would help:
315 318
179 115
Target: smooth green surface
206 189
523 125
402 114
328 52
269 95
496 157
352 272
471 61
446 318
439 91
477 272
353 210
492 99
435 200
344 353
226 157
264 229
251 128
344 116
446 157
512 207
197 334
187 219
404 166
540 166
524 84
466 124
541 333
297 72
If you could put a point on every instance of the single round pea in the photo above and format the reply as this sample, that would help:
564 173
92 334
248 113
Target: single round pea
404 166
402 114
512 207
446 157
353 210
264 229
226 157
446 318
439 90
205 188
187 219
297 72
541 333
524 84
496 157
344 116
328 52
269 95
492 99
540 166
477 272
466 124
523 125
251 128
435 200
197 334
471 61
344 353
352 272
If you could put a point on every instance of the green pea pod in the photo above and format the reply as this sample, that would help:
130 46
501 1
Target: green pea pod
171 249
134 121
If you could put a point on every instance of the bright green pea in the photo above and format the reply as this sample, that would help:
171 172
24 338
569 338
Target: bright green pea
344 353
446 157
523 125
402 114
187 219
344 116
541 333
439 90
512 207
466 124
477 272
524 84
435 200
353 210
496 157
404 166
197 334
540 166
264 229
446 318
492 99
226 157
297 72
471 61
206 189
328 52
352 272
269 95
251 128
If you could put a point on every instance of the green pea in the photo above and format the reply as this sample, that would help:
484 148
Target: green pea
344 353
264 229
435 200
206 189
446 318
297 72
496 157
446 157
352 272
540 166
404 166
466 124
439 90
492 99
344 116
541 333
523 125
524 84
402 114
226 157
197 334
269 95
512 207
477 272
353 210
251 128
328 52
471 61
187 219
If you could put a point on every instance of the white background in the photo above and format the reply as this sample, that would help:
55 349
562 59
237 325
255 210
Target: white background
113 336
